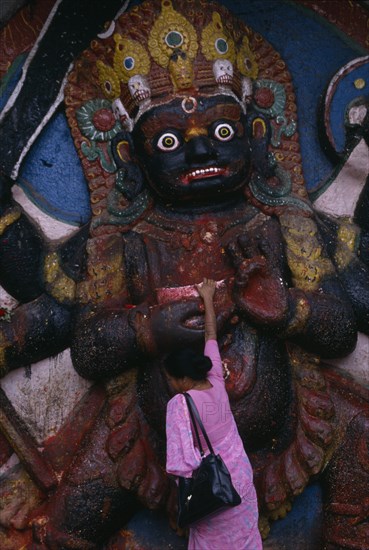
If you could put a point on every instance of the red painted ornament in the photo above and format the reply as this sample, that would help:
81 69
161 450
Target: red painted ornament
104 120
264 98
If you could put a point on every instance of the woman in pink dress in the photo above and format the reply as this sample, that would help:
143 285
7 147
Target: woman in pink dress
202 377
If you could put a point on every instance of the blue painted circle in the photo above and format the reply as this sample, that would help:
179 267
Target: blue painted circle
174 39
129 63
221 45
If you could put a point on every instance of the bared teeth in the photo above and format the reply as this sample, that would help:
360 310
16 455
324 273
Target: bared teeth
225 79
202 173
140 95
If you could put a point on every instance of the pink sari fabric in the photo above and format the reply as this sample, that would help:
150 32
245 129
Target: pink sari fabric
235 527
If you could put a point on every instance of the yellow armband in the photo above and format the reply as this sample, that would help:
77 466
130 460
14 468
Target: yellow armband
11 216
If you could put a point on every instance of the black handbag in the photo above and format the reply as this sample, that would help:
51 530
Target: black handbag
210 488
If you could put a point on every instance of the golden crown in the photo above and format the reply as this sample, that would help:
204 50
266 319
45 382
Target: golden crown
166 49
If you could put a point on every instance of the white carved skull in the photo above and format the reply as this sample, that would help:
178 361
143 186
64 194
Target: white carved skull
357 114
139 88
223 71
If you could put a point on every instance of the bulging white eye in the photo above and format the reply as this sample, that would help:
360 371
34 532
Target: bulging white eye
224 132
168 142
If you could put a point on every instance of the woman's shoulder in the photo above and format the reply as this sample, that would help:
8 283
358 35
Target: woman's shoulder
176 401
176 398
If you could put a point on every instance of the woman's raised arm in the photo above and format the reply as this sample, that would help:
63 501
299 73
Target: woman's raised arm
206 290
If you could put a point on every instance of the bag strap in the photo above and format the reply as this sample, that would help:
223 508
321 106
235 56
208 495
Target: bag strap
196 419
194 423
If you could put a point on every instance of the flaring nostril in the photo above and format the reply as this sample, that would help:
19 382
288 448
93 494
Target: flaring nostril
200 147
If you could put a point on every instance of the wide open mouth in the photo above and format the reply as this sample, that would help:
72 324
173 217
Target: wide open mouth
203 173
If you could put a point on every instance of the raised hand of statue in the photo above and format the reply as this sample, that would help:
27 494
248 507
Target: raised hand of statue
258 290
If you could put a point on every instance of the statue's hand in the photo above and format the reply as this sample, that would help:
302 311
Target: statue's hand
6 184
177 323
258 290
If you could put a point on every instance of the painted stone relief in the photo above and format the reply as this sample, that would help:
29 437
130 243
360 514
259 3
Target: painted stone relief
185 122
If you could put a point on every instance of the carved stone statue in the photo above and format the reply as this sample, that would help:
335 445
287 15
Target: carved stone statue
184 120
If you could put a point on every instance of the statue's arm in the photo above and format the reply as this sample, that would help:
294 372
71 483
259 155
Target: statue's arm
36 330
348 247
322 321
29 263
42 280
291 289
22 249
116 336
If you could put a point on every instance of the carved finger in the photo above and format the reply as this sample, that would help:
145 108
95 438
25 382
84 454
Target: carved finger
247 268
235 254
248 249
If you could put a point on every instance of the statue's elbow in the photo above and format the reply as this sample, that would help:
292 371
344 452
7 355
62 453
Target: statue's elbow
340 343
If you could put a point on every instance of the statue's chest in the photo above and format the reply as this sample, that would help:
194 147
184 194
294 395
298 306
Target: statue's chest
168 255
180 258
194 259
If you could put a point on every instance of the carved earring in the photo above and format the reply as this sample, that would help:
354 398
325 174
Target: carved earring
128 199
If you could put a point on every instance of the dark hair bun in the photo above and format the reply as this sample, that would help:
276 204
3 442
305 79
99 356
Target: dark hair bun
202 364
187 362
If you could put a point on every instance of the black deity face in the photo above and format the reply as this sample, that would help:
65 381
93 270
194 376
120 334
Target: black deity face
194 150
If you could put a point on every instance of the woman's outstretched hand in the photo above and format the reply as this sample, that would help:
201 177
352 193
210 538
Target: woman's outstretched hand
206 289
